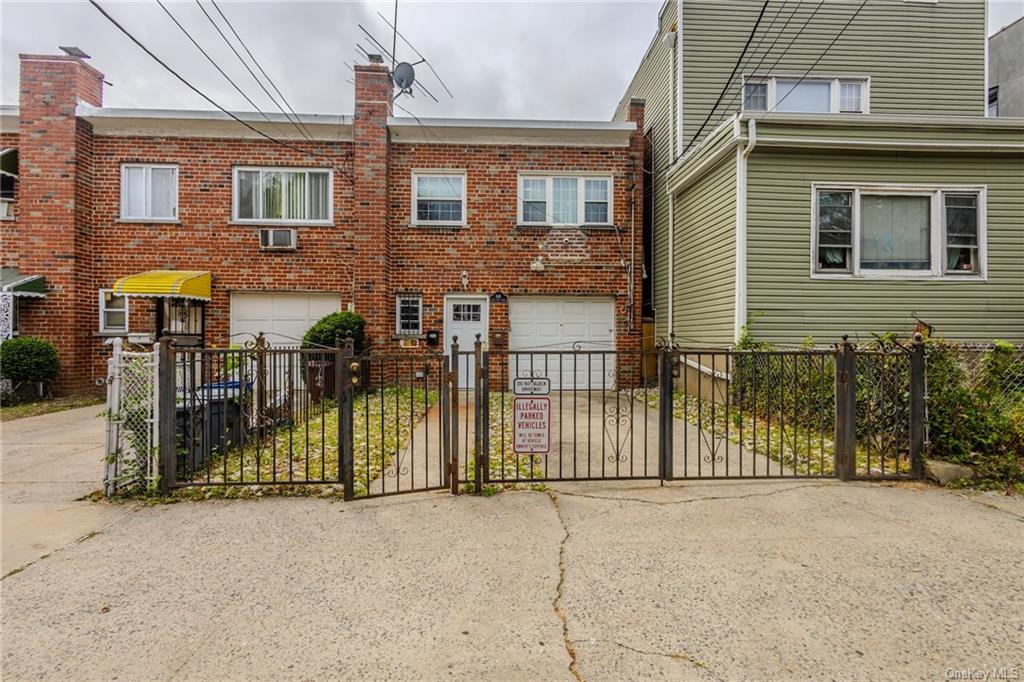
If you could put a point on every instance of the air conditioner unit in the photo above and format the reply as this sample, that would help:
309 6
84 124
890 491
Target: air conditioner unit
279 238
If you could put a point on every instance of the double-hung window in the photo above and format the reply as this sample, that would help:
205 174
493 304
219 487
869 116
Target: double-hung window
565 200
149 192
438 198
282 195
113 313
409 314
899 231
805 95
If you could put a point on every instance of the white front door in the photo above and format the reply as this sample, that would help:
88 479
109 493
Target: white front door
465 317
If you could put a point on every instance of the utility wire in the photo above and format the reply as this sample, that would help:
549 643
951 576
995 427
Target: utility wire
725 88
418 54
258 66
202 94
216 65
821 56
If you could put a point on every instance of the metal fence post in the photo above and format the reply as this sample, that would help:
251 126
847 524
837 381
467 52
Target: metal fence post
446 422
917 398
478 423
665 416
168 406
846 411
343 381
114 419
453 378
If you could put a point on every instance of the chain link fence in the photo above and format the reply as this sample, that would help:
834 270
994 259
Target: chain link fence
132 420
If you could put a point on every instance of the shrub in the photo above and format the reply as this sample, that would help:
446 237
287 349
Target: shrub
28 359
335 326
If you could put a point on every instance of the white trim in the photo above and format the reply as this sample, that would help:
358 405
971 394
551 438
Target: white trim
399 297
937 231
914 121
235 220
740 303
769 141
148 182
985 36
436 173
581 177
679 77
460 131
103 309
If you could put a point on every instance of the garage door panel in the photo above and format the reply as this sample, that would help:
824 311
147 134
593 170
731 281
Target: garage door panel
283 316
551 324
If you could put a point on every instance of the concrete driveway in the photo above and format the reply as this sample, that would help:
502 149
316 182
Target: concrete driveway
48 463
603 581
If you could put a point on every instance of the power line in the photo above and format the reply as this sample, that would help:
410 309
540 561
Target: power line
258 66
202 94
215 64
418 54
821 56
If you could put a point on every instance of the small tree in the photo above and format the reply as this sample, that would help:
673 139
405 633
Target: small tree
27 359
335 326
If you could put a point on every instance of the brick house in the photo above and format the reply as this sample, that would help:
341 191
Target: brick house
527 232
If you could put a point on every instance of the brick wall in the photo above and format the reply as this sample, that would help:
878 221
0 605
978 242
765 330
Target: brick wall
69 227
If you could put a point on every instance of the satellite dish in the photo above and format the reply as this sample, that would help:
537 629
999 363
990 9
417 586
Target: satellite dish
404 75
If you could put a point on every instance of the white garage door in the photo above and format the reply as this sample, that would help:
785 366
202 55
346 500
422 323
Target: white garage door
547 324
283 316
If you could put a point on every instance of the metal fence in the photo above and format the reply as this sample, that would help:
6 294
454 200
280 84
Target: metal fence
132 420
372 425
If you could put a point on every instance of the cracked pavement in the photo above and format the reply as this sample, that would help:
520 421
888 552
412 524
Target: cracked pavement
597 581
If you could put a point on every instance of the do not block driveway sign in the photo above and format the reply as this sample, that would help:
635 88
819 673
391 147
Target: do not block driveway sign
532 425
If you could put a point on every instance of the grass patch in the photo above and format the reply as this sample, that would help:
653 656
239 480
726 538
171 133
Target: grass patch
506 468
309 451
38 407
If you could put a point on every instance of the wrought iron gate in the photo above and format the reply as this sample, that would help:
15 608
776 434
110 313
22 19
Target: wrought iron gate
373 425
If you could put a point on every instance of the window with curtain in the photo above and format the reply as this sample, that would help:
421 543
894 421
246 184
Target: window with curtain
865 231
961 219
439 198
565 200
282 195
149 192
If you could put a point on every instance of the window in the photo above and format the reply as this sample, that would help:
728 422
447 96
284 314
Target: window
149 192
439 199
409 314
113 313
182 317
466 312
993 101
565 200
806 95
886 231
282 195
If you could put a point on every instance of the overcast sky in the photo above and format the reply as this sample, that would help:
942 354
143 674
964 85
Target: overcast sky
567 60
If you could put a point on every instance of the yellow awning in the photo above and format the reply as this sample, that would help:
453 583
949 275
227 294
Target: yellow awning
166 284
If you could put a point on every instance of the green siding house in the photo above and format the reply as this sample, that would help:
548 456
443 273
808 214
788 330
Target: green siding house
829 169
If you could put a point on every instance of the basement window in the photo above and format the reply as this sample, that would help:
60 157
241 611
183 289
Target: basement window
149 192
282 196
113 313
895 231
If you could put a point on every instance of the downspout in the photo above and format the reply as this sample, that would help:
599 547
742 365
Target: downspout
632 256
671 261
740 303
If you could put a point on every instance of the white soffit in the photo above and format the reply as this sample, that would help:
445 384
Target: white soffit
517 132
190 123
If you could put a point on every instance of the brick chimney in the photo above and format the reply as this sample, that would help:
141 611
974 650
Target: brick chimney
373 91
54 204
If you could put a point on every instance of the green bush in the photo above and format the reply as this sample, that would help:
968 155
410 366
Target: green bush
28 359
336 326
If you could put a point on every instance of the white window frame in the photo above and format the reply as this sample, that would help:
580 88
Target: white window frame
581 178
104 329
235 195
937 231
398 314
834 92
438 173
148 168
